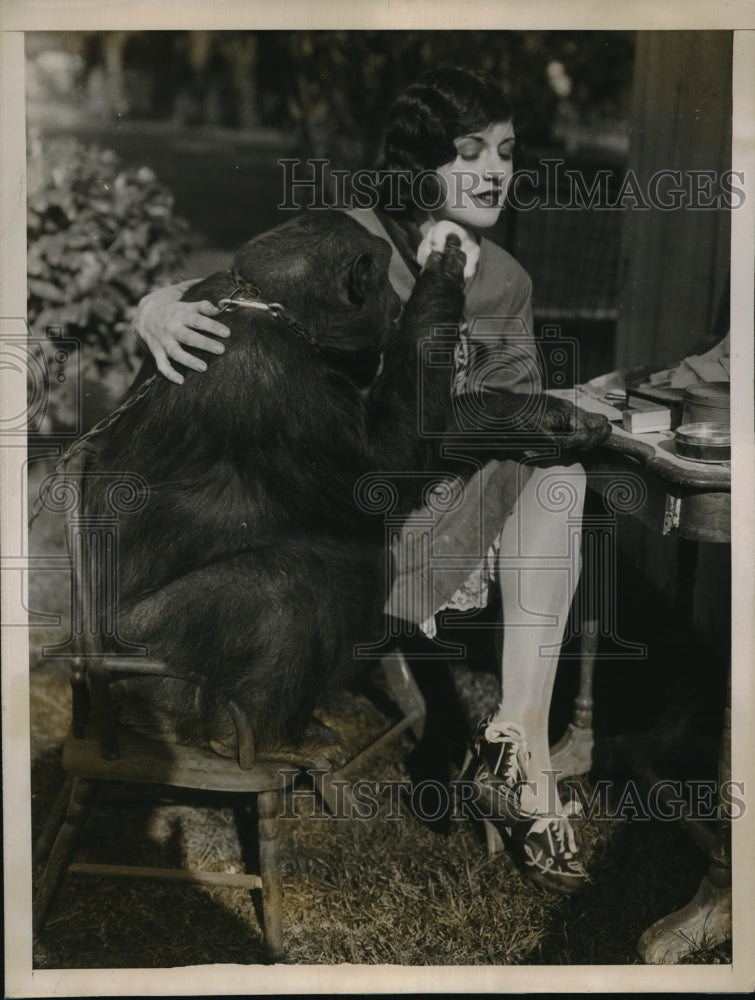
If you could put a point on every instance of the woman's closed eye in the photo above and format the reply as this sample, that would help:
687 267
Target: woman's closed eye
470 152
505 153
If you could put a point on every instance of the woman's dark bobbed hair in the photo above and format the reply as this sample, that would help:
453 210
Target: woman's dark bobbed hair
443 104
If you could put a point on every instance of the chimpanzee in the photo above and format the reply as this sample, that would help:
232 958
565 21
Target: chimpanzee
252 569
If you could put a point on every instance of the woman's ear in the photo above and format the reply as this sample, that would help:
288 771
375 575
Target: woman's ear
360 279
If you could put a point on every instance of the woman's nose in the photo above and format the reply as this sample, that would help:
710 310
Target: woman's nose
495 167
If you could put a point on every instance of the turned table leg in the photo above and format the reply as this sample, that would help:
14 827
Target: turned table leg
706 920
573 752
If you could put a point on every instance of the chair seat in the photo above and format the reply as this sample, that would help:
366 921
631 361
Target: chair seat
160 763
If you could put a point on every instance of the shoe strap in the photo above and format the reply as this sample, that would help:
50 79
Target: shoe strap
502 732
511 733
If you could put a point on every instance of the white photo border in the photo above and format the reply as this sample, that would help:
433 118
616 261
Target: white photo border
18 16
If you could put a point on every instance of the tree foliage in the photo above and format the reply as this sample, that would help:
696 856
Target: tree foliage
99 237
337 86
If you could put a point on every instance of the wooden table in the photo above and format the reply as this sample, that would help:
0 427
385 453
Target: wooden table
670 495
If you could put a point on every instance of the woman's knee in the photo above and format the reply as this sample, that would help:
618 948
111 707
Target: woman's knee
555 491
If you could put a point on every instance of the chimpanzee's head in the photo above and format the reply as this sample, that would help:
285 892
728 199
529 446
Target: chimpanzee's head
331 274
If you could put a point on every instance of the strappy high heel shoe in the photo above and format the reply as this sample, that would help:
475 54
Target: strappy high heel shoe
496 763
544 846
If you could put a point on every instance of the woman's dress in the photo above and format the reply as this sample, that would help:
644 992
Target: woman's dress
445 554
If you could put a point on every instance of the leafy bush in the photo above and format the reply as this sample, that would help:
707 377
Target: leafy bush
100 237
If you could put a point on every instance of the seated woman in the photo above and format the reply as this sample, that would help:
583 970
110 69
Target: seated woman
515 521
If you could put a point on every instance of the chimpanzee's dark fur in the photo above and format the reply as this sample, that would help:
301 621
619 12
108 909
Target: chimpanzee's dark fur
251 568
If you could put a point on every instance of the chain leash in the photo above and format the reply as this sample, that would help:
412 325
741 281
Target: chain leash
241 287
80 444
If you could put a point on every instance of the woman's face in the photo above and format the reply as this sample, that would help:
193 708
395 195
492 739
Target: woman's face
476 182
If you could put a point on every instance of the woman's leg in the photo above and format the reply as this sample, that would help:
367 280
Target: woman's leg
538 570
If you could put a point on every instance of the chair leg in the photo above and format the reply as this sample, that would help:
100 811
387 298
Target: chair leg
62 850
268 807
52 825
403 689
493 839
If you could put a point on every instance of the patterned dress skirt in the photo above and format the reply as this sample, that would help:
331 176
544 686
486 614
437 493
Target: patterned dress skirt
445 555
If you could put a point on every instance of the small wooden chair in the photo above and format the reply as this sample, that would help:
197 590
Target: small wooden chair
98 749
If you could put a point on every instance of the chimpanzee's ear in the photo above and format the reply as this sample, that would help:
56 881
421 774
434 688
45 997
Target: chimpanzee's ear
360 278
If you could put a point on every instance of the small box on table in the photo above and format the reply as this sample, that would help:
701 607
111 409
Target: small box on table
644 417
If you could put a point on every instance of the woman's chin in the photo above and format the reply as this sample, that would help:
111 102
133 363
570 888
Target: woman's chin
475 216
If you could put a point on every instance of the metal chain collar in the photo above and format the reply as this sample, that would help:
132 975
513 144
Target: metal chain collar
250 299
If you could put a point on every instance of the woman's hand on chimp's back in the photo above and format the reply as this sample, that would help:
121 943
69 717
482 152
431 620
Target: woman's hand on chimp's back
167 325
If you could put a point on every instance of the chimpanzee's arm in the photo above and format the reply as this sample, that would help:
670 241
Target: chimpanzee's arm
484 418
411 397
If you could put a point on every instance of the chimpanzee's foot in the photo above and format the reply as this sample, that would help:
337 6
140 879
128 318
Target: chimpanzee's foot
320 748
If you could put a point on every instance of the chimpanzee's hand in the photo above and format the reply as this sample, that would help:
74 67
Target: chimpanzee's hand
449 263
437 298
164 324
571 427
436 238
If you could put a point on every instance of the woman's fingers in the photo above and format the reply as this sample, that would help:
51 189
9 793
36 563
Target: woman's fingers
163 365
180 334
210 309
207 325
176 353
168 327
197 316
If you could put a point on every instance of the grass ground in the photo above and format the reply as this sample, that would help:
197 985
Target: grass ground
396 892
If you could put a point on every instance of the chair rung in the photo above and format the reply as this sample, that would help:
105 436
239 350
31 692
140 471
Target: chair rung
236 880
379 743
